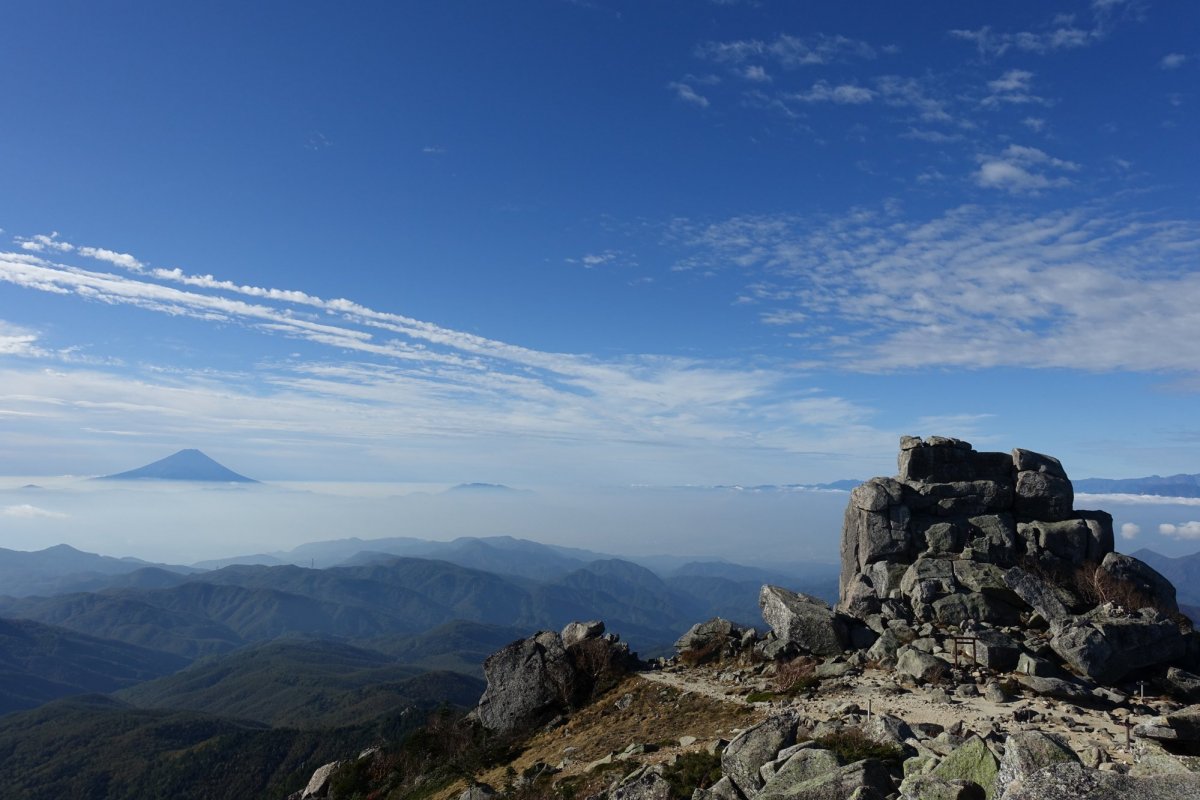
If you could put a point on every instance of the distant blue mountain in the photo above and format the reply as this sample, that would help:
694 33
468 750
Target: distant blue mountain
186 465
1169 486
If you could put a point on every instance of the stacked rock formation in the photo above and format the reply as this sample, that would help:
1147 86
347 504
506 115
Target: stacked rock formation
970 538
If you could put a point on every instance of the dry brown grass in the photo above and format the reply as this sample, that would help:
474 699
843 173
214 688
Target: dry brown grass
657 714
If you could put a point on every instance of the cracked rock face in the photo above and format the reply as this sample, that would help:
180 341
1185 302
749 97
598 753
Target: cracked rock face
958 537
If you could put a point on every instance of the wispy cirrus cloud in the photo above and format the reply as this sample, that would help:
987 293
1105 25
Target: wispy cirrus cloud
687 94
1085 288
390 378
788 51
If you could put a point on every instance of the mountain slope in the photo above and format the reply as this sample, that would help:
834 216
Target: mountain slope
97 747
40 662
303 684
185 465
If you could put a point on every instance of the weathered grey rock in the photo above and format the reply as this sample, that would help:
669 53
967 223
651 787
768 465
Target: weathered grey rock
1100 534
746 754
723 789
1153 759
649 785
888 729
928 579
972 761
876 526
992 649
1178 726
803 620
318 784
863 780
1073 781
1067 540
961 537
1142 579
705 634
955 609
1107 647
1028 751
993 537
578 631
1183 684
937 459
799 768
535 679
1029 461
860 599
886 577
924 667
1042 496
931 787
1039 595
980 576
1032 665
477 791
1055 687
889 642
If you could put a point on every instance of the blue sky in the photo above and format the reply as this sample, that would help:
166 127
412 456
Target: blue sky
597 243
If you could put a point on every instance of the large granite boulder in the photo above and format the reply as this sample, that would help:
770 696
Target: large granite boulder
745 756
1027 752
1107 643
1073 781
805 621
1135 583
535 679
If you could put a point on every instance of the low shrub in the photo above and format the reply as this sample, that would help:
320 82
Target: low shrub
851 744
692 771
797 675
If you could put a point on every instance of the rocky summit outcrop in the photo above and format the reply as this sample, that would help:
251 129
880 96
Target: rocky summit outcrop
977 542
534 680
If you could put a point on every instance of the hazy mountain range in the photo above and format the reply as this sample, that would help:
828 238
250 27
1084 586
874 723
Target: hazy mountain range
1169 486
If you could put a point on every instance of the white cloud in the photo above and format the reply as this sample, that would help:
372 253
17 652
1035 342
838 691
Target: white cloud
755 73
26 511
1119 499
1172 61
1014 88
602 258
17 341
993 44
393 378
688 95
1035 124
788 51
1130 530
974 288
123 260
41 242
1015 80
433 150
1022 169
1184 530
843 94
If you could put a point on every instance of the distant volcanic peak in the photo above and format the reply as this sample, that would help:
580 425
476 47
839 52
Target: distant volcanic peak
186 465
